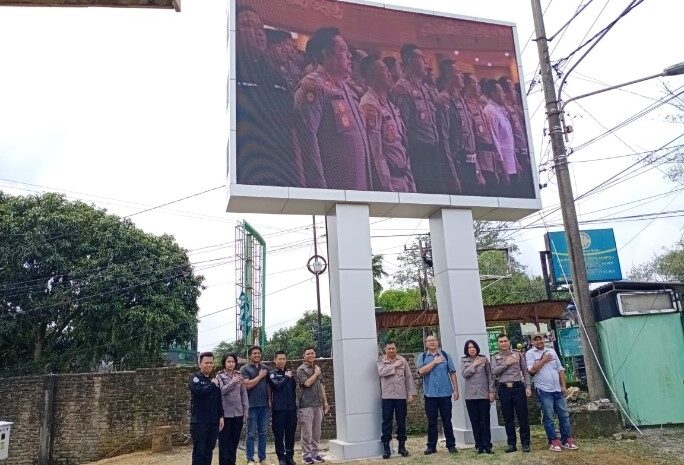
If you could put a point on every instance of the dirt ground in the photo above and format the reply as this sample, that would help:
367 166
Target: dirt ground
658 447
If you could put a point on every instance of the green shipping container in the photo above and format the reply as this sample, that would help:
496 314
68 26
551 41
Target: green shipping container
642 356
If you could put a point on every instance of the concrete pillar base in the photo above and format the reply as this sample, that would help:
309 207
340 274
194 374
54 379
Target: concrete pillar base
342 451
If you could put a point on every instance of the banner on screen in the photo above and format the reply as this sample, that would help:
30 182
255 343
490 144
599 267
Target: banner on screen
600 256
337 96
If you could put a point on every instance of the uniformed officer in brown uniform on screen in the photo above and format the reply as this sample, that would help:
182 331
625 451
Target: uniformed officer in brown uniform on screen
386 132
264 111
433 171
516 116
461 136
488 157
331 131
510 368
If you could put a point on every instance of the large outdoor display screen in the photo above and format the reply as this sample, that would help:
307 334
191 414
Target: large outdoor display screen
350 97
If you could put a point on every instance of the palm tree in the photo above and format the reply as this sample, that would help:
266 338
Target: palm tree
378 273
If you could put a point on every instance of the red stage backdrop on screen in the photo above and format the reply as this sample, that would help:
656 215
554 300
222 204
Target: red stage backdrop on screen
352 97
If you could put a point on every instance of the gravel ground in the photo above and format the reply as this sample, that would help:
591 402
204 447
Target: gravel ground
658 447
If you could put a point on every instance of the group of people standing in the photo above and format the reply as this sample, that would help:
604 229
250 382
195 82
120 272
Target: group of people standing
505 375
221 405
352 119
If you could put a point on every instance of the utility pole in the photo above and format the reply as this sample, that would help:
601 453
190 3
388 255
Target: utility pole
578 268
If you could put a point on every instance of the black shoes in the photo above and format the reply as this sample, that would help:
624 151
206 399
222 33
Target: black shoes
402 449
290 461
510 449
479 451
526 449
487 451
430 450
453 450
386 450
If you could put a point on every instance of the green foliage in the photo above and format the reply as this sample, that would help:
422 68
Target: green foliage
399 299
295 339
79 287
378 273
667 266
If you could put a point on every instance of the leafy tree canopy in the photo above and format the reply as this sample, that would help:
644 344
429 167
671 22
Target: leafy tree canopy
80 287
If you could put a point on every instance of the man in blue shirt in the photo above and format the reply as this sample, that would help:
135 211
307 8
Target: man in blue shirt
440 386
549 382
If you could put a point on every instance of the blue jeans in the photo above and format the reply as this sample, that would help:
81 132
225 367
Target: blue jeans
257 424
550 403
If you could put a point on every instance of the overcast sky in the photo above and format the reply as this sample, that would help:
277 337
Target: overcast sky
126 109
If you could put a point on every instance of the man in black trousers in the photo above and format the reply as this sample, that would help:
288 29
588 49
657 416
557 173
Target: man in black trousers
206 412
283 409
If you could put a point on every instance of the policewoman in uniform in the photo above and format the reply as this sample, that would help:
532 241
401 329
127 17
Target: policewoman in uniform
510 368
206 411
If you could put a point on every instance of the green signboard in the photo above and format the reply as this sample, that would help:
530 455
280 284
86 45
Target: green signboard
570 341
492 337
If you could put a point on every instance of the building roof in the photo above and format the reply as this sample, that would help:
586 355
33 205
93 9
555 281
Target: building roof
530 312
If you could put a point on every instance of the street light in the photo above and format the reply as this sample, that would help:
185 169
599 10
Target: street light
673 70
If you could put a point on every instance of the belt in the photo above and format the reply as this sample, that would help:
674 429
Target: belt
510 385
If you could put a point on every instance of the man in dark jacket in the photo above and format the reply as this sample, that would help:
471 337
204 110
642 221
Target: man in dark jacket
283 408
206 413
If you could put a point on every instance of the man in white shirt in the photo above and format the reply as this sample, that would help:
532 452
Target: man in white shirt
549 383
502 131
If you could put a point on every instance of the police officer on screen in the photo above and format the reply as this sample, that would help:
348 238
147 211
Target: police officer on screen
461 136
330 129
431 166
516 116
386 131
510 368
264 112
206 411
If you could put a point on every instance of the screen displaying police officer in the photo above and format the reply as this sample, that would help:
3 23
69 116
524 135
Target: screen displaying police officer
330 129
386 131
206 410
264 114
433 171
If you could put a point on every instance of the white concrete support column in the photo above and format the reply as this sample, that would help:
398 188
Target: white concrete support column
357 390
459 299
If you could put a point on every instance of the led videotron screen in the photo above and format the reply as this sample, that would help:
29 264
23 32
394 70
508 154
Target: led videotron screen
347 96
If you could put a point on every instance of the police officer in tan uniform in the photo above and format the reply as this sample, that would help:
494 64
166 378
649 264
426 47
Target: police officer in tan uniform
433 170
264 115
488 158
386 131
461 135
510 368
331 133
516 115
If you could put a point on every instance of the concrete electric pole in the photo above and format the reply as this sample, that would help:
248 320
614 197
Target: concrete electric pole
578 268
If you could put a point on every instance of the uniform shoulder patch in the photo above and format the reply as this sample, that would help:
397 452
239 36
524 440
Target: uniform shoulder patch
195 379
371 115
272 375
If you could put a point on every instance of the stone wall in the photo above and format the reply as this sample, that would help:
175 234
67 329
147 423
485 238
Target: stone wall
100 415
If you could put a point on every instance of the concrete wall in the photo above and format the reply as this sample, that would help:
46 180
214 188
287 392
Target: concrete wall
100 415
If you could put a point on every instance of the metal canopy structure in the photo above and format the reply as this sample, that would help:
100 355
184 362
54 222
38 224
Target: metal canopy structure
531 312
158 4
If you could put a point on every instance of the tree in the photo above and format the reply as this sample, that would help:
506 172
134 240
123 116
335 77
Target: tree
378 273
304 333
667 266
81 287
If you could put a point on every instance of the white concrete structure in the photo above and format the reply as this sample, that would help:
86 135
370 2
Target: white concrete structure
459 302
354 338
